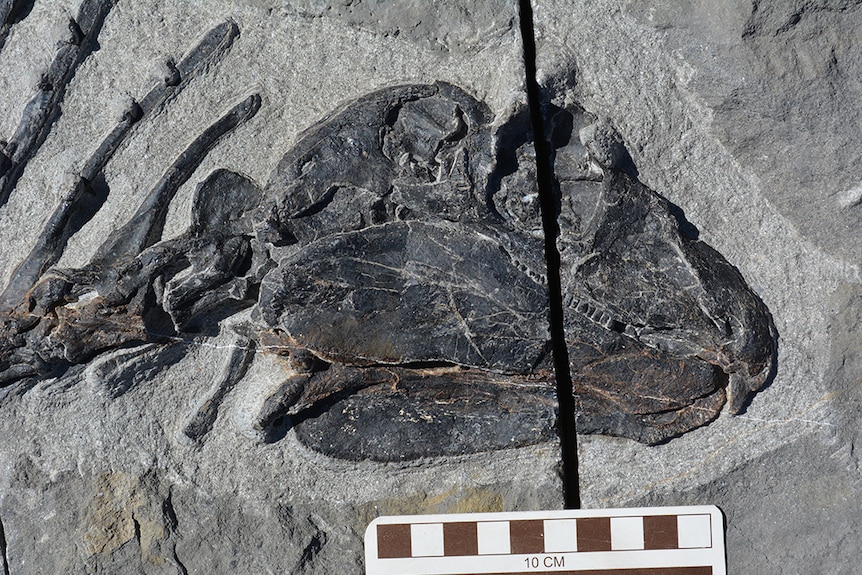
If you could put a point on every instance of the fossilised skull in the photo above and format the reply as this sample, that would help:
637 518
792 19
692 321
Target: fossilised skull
400 266
659 326
444 268
401 257
675 314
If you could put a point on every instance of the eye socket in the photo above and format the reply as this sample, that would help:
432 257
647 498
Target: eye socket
420 130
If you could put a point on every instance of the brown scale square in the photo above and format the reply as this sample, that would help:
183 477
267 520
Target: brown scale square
660 532
594 534
393 541
527 536
460 539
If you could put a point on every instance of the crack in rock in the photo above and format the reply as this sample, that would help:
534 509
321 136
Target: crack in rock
398 262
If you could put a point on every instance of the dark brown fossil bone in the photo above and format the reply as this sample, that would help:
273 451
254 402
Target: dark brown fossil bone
69 316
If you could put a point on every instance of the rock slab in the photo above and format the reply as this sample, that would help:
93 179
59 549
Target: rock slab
745 115
157 458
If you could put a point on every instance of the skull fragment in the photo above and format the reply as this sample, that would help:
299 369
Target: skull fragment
395 259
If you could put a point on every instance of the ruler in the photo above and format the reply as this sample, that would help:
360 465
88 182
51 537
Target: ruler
637 541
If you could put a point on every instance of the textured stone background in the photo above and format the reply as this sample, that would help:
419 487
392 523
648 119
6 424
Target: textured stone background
746 114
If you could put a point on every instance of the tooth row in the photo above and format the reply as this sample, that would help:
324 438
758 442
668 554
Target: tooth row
601 317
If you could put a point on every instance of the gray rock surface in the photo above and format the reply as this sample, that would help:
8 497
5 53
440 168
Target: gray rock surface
746 115
156 459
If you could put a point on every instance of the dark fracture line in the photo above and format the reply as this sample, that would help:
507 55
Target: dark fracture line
3 551
548 202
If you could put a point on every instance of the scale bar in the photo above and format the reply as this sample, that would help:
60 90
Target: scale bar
639 541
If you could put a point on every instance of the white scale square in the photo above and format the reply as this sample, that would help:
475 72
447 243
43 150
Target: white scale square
493 537
427 539
693 531
561 535
627 533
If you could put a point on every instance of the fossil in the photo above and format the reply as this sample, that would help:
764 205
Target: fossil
395 260
661 329
43 109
